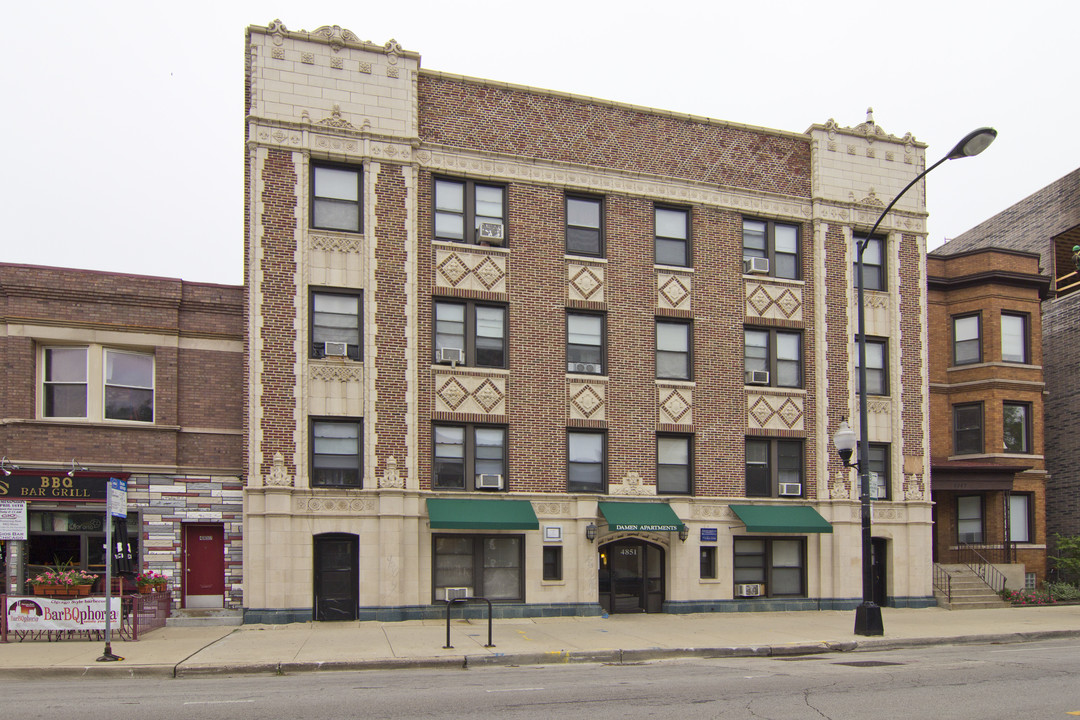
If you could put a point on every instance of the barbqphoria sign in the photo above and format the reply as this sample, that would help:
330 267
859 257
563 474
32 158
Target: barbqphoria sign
42 613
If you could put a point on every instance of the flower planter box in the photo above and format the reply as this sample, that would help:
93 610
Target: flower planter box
62 590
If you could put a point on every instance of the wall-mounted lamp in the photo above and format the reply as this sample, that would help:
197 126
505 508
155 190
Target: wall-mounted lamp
75 466
7 466
684 532
590 532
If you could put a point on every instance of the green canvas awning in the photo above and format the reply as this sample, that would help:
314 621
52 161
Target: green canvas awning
781 519
652 516
463 514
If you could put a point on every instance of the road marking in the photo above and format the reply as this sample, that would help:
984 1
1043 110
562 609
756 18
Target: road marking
217 702
1075 712
513 690
1043 649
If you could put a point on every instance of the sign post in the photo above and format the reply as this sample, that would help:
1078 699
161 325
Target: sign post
116 506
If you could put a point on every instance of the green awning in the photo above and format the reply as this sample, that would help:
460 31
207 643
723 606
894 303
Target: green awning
463 514
650 516
781 519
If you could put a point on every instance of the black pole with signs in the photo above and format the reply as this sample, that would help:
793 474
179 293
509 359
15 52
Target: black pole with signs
115 506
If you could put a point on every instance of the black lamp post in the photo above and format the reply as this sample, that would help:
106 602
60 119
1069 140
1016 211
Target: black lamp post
868 614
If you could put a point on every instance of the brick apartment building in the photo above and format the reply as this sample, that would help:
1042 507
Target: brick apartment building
564 353
1047 223
987 434
107 375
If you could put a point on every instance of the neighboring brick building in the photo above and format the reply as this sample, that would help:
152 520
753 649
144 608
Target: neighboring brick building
111 375
510 342
1048 224
986 410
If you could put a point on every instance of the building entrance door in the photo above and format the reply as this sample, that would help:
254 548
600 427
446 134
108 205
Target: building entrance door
631 576
204 566
336 576
878 558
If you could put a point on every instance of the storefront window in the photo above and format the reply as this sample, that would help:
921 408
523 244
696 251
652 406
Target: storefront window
75 539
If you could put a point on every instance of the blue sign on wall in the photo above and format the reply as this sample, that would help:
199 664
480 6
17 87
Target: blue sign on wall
708 534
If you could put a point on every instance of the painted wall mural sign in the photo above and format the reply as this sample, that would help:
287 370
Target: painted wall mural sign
30 614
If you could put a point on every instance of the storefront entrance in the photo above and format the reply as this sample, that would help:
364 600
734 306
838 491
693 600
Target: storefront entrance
631 576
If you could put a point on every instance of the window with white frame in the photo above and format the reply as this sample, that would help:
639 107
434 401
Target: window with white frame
97 384
1020 514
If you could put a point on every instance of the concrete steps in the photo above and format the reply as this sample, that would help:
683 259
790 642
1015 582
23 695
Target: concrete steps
205 618
969 592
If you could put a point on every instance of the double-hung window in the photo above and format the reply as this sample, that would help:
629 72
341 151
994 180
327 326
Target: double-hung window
967 340
879 471
772 357
774 467
969 518
97 384
586 461
777 564
462 453
1020 517
1016 427
336 457
968 429
775 246
584 226
873 260
673 350
65 382
672 244
470 212
1014 338
674 464
129 386
585 343
336 198
335 324
489 566
877 366
470 333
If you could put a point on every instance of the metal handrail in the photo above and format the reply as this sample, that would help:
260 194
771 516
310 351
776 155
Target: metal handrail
943 581
450 602
983 568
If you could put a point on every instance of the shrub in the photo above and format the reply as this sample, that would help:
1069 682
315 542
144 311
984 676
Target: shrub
1067 559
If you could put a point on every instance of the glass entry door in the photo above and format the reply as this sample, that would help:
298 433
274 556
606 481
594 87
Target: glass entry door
631 577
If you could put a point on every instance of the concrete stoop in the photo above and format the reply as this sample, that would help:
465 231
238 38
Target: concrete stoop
969 592
205 618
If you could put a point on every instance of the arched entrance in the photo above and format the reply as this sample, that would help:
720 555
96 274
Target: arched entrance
631 576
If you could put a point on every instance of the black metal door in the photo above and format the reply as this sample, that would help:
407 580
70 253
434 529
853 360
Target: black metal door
336 577
879 548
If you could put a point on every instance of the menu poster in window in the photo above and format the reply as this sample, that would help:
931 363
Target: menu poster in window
12 520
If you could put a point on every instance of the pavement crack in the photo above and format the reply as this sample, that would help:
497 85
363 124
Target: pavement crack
806 701
176 667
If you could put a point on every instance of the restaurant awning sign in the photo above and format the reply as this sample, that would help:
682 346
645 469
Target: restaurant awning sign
12 520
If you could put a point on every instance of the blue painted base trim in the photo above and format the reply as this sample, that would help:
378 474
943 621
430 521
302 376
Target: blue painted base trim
786 604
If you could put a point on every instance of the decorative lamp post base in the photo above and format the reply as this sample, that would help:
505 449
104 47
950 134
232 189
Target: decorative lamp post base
868 620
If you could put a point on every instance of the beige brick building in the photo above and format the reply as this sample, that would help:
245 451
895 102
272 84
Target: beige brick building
567 354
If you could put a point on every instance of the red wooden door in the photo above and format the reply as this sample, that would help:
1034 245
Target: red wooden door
204 566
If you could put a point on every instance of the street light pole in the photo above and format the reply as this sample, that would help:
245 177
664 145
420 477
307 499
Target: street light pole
868 614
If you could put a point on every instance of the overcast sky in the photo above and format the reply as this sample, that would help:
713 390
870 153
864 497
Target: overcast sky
124 120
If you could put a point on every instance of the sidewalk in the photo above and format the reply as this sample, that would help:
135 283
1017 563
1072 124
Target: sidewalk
298 647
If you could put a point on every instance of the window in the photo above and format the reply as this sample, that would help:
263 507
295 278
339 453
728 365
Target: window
478 331
672 236
967 429
772 357
1016 428
586 466
969 518
779 565
335 324
879 472
97 384
673 359
773 467
335 198
967 345
776 242
490 566
462 452
708 562
552 563
1020 517
873 265
877 366
1014 338
470 212
584 226
674 464
585 343
335 453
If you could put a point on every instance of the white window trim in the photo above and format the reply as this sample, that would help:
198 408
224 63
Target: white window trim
95 383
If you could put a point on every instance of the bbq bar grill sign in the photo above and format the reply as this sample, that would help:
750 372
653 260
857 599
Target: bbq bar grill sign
12 520
59 487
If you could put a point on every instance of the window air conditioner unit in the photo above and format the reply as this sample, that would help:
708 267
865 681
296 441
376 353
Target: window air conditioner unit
491 233
335 349
489 482
454 593
755 266
454 356
591 368
757 377
752 590
791 489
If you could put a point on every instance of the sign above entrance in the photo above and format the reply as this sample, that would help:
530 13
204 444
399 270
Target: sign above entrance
647 517
55 486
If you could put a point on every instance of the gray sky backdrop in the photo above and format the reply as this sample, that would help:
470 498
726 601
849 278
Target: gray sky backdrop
124 120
